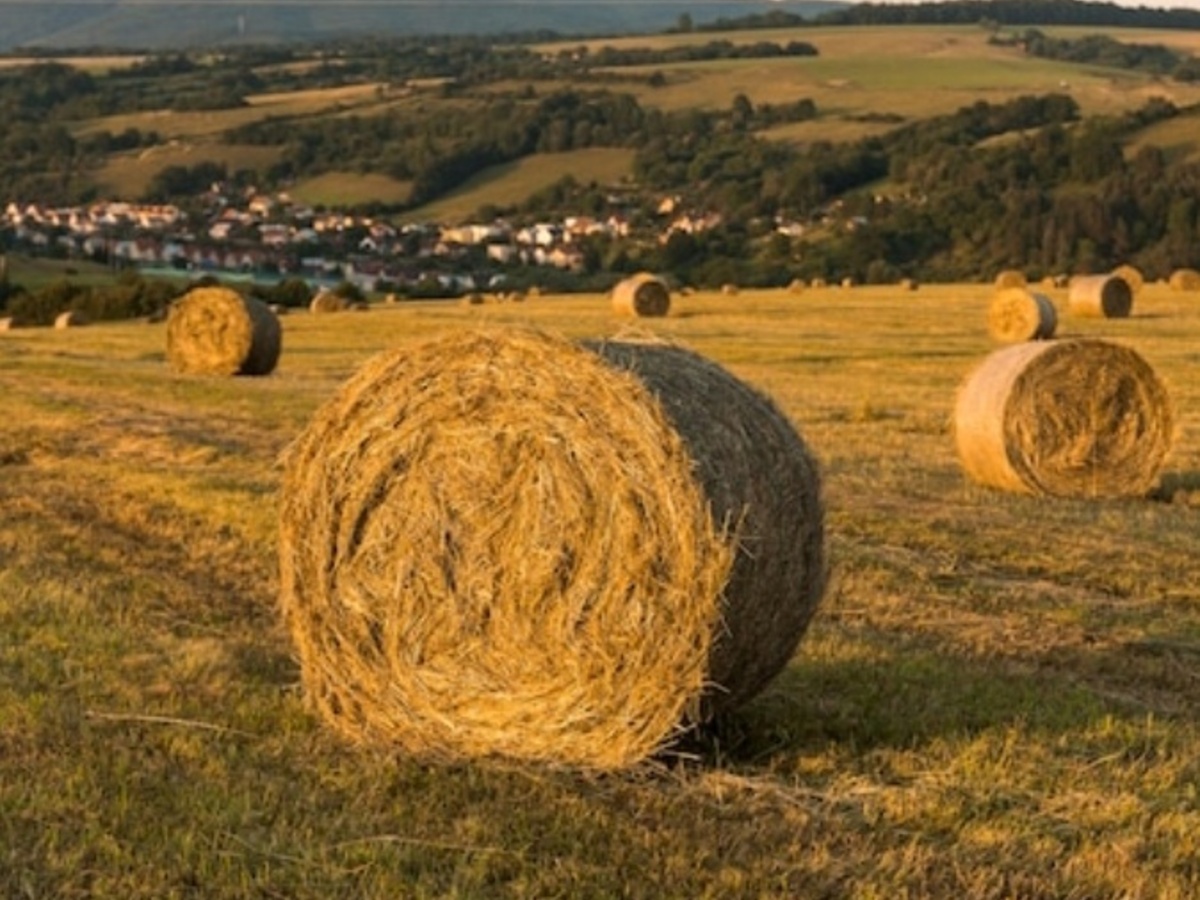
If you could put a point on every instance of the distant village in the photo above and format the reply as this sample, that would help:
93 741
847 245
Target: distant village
264 237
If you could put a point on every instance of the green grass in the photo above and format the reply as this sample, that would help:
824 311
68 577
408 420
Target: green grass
998 697
349 188
37 272
128 175
512 183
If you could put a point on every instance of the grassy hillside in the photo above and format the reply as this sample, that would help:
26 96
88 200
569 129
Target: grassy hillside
156 24
997 698
860 81
350 188
512 183
913 71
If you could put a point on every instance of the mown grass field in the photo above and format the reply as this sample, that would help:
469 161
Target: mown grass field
999 697
915 71
860 74
512 183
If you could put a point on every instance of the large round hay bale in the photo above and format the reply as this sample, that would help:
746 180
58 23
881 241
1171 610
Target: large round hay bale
71 318
1104 296
327 301
1185 280
642 294
1078 418
471 567
1019 314
1010 278
216 331
1132 276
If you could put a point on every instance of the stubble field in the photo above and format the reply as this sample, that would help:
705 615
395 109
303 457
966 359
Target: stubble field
999 696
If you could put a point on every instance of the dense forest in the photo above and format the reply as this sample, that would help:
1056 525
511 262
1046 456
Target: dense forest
1025 182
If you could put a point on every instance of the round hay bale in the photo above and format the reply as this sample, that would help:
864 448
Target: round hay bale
327 302
9 323
847 282
1078 418
216 331
1010 278
796 286
642 295
729 289
1019 314
470 567
474 299
277 309
1104 296
908 284
1062 280
70 319
1185 280
819 283
1131 276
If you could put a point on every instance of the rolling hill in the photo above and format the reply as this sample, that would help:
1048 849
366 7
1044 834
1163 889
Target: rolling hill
167 24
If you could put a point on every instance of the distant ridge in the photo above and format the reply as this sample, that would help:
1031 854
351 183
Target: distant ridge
183 24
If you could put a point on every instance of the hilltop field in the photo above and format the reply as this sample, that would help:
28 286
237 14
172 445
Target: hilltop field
863 81
997 698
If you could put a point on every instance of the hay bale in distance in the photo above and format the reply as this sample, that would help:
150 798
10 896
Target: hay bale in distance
642 295
327 301
70 319
1104 296
908 284
796 286
471 568
1132 276
847 282
9 323
1185 280
819 283
216 331
729 289
1019 314
1010 278
1078 418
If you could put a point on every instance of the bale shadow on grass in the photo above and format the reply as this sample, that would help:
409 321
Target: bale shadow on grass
1178 487
910 700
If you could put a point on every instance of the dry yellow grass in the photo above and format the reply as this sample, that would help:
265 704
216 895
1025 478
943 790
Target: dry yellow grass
981 708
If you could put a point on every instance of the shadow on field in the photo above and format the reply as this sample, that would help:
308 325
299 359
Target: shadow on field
907 701
1178 487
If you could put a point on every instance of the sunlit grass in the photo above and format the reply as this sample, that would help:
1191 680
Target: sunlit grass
510 184
997 698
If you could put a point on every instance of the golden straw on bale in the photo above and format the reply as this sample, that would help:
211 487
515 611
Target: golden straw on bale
1010 278
504 544
641 295
1019 314
327 302
216 331
1185 280
70 319
1131 276
1104 296
1079 418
